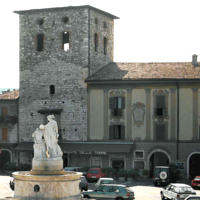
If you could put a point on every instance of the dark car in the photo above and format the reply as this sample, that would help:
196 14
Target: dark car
110 191
161 175
83 185
94 174
196 182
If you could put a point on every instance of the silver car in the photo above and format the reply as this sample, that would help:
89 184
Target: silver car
176 191
193 197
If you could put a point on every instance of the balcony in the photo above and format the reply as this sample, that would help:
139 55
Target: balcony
9 119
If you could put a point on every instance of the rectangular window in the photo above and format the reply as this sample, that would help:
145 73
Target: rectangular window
117 104
160 105
40 42
139 155
160 132
105 45
4 134
65 39
4 111
95 162
117 132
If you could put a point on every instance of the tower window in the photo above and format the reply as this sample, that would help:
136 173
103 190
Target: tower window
52 89
96 42
65 20
40 21
40 42
65 44
96 21
105 45
104 24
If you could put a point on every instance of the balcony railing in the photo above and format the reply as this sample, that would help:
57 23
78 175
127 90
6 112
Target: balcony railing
9 119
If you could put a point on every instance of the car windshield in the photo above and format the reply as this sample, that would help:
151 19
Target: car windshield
194 198
185 190
106 181
93 171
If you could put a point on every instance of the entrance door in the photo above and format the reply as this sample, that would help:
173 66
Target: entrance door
194 163
4 158
158 159
118 164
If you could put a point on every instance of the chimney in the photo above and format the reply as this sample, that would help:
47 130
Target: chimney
194 60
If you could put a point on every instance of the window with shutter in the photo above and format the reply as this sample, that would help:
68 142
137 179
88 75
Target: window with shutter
117 132
4 134
117 104
4 111
160 105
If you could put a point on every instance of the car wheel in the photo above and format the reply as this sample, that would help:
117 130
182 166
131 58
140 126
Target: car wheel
119 198
86 196
162 196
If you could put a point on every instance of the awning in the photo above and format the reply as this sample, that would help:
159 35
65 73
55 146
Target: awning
96 147
85 147
24 146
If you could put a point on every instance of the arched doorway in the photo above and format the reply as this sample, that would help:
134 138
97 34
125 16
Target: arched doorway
158 158
5 156
193 165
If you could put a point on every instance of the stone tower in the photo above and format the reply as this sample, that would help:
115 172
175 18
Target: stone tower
59 48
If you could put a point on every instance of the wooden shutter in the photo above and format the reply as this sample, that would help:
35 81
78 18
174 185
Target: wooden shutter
4 111
112 102
4 134
123 102
160 101
111 132
122 132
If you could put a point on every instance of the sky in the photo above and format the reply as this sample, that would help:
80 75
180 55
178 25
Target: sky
147 31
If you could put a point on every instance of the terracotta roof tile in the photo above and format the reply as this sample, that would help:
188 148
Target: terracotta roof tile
10 94
135 71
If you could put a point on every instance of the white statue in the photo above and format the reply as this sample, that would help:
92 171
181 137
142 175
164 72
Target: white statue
50 135
39 146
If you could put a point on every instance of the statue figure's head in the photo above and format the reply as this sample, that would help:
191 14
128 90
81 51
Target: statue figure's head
50 117
41 127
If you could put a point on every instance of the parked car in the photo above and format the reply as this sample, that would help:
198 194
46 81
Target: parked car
196 182
177 191
94 174
104 181
110 191
193 197
161 175
83 185
73 169
12 184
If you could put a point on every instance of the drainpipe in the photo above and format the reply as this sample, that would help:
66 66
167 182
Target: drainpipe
177 133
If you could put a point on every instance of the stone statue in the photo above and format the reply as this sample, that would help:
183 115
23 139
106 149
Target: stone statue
47 137
39 145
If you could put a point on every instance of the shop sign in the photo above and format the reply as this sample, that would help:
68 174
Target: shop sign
179 165
85 152
100 152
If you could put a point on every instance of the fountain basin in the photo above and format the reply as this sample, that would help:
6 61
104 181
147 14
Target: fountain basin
60 187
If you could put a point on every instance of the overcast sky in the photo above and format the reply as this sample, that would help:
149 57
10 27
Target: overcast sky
147 31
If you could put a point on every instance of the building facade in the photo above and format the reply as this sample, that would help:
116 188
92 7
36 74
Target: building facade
120 115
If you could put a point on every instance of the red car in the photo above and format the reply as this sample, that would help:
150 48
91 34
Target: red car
196 182
94 174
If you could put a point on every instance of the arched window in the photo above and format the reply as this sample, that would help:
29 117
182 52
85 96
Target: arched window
105 45
40 42
52 89
96 42
65 40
